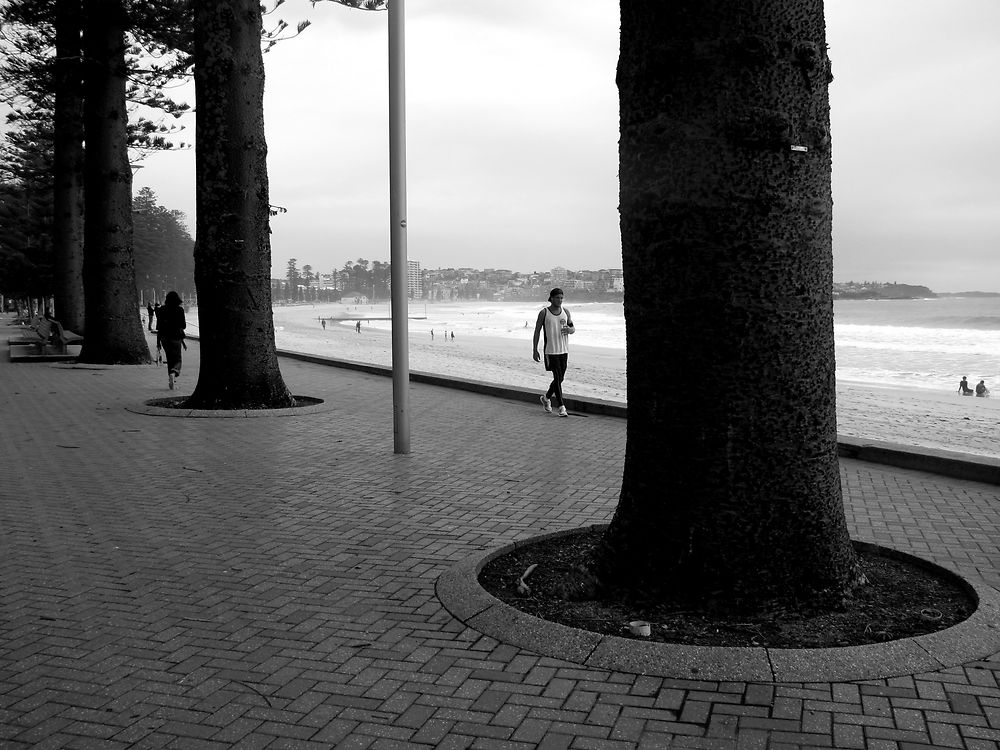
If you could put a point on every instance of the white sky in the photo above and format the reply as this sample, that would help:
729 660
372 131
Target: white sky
512 138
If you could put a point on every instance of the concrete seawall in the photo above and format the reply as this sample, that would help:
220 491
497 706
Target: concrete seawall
945 463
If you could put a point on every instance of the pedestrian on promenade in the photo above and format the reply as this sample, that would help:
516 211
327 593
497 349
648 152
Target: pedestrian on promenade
170 325
149 310
556 324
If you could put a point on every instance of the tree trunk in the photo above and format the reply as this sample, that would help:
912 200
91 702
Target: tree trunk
239 361
731 481
67 227
114 328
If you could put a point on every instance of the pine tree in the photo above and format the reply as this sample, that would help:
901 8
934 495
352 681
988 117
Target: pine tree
45 77
25 215
239 362
731 482
164 249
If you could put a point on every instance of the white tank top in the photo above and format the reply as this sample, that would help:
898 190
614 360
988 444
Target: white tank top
556 342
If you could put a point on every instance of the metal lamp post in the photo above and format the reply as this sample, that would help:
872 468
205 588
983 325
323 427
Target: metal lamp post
397 229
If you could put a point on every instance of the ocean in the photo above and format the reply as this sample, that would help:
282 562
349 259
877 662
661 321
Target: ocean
923 343
927 344
600 324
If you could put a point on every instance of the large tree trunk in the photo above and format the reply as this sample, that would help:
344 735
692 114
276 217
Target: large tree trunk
114 329
731 482
67 228
239 361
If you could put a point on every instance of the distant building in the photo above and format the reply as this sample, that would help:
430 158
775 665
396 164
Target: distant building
414 280
559 276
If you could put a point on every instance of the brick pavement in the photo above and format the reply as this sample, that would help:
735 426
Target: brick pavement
269 583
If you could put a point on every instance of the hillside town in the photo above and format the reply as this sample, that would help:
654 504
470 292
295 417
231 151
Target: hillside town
364 279
371 279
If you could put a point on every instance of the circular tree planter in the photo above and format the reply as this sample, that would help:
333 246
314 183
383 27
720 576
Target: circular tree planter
978 636
174 407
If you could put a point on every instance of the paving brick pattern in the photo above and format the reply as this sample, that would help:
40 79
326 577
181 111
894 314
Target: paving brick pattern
269 583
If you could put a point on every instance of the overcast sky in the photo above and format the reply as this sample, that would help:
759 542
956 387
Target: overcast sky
512 137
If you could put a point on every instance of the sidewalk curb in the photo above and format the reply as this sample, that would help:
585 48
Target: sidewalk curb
945 463
950 464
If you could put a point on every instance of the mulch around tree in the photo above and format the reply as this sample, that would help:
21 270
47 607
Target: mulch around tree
902 599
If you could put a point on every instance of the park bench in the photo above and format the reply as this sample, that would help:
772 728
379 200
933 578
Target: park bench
27 332
42 332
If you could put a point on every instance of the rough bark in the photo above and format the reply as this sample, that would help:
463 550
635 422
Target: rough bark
239 361
114 329
731 480
67 227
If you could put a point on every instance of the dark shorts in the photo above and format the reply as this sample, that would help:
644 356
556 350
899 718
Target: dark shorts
557 363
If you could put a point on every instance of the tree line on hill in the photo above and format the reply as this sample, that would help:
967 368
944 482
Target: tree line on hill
880 290
163 246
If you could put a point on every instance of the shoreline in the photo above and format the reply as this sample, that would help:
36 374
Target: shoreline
919 417
925 418
595 372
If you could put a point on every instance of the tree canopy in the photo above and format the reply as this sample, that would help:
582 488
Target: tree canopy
163 247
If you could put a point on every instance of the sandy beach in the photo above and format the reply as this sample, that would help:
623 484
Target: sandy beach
942 420
920 417
595 372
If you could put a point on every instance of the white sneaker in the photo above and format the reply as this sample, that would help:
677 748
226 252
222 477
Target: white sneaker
562 411
546 404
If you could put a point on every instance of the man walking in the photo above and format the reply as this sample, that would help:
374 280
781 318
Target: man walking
556 324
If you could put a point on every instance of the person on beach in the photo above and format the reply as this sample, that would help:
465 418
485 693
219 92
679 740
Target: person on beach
556 324
149 311
323 321
170 325
358 327
963 387
981 390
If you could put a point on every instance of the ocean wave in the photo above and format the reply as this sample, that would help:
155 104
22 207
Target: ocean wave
982 322
923 344
952 322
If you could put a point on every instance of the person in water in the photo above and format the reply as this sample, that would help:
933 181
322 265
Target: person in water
963 387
